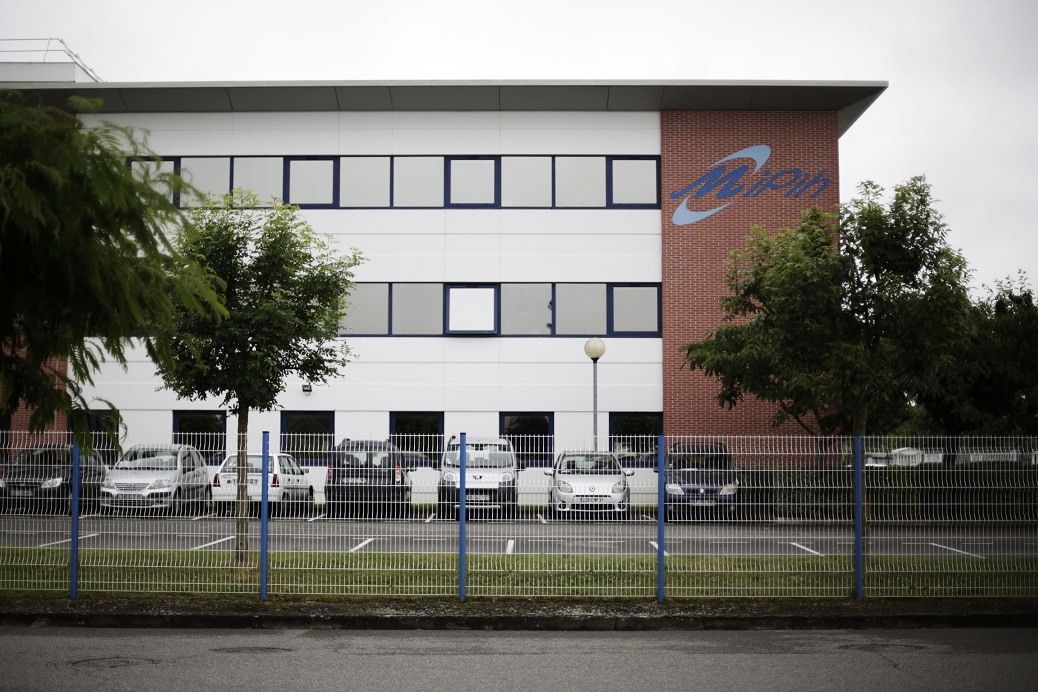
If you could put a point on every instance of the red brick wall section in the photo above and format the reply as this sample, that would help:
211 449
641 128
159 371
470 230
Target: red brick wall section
694 255
20 417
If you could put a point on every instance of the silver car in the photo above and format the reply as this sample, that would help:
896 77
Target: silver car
170 478
592 482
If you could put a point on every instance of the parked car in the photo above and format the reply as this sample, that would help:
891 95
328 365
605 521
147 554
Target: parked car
491 472
589 482
170 478
369 475
288 487
699 476
39 479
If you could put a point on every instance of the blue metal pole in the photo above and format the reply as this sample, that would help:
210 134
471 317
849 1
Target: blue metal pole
661 515
74 511
859 523
461 519
264 516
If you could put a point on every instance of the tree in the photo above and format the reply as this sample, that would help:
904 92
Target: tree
990 387
839 324
85 262
285 292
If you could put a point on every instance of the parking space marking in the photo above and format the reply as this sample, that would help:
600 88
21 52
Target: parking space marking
510 546
541 517
430 517
206 545
361 545
656 548
313 519
68 540
956 550
813 552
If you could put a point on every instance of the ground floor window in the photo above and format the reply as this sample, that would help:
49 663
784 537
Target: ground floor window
309 436
206 431
633 437
530 434
419 435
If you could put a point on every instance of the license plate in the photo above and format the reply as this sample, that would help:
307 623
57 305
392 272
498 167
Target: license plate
254 482
21 493
356 481
589 500
704 503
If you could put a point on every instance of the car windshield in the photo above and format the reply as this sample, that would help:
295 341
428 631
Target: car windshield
692 461
491 455
254 464
148 460
40 457
594 464
364 459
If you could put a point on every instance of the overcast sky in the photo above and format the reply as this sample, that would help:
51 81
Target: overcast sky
961 108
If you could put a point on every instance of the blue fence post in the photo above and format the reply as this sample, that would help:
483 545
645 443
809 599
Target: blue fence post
461 519
859 523
661 518
264 516
74 512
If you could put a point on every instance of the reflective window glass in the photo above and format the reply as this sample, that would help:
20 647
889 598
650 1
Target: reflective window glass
580 309
210 176
473 181
364 181
634 181
311 181
418 181
471 309
526 308
263 176
417 309
526 181
635 309
580 181
367 310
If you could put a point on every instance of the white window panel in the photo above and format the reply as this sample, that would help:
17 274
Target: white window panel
472 181
526 181
364 181
311 181
635 309
634 181
472 309
418 181
210 176
580 181
263 176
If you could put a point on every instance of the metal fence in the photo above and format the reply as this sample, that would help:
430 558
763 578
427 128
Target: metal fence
641 518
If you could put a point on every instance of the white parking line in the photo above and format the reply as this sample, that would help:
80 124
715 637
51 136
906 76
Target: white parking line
510 547
813 552
313 519
68 540
361 545
656 547
206 545
956 550
430 518
541 517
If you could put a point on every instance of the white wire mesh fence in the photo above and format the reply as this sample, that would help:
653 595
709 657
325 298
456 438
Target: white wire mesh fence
644 518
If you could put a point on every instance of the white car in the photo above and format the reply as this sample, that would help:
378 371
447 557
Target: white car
592 482
288 486
170 478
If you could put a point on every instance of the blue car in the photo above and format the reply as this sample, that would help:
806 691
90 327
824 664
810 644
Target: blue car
699 478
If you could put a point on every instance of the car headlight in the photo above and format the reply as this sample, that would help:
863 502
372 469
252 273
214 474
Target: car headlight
107 483
507 477
450 476
51 483
729 489
563 486
620 486
674 489
3 483
160 483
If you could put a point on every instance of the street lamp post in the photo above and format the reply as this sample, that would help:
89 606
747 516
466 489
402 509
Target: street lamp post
594 348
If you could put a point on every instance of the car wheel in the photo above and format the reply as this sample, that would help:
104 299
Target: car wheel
307 508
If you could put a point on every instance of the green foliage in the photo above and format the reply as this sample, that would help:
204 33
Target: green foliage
85 263
284 289
838 325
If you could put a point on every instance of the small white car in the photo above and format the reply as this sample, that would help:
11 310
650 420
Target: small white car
170 478
289 489
592 482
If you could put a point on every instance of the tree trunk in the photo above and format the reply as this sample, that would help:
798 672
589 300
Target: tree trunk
241 513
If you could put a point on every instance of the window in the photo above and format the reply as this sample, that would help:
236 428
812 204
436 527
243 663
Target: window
417 309
471 309
149 170
472 182
526 181
204 430
580 181
418 181
308 436
635 310
580 309
368 310
311 182
364 181
531 435
419 436
633 438
526 309
633 182
263 176
210 176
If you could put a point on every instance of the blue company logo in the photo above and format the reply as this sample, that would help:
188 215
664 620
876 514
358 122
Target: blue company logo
725 184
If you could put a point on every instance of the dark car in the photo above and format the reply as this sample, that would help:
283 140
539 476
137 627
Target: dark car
699 477
370 476
39 479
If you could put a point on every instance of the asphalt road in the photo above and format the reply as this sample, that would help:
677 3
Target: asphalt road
532 534
905 660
